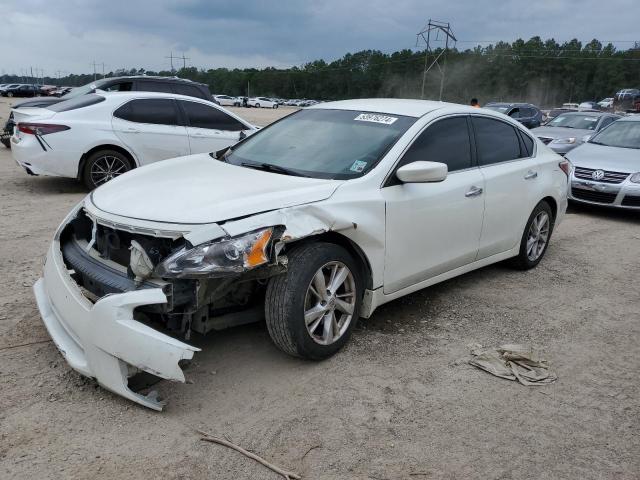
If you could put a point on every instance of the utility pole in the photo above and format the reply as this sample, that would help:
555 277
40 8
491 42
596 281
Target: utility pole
94 70
184 61
429 34
171 57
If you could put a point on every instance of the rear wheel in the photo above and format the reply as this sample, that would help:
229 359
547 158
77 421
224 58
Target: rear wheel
535 238
103 166
312 308
257 105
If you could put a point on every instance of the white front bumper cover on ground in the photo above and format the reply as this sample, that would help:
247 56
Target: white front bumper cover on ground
102 340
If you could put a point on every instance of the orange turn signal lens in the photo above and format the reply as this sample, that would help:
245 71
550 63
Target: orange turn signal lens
257 255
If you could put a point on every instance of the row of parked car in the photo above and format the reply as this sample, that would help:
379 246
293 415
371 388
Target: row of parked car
31 90
261 102
309 223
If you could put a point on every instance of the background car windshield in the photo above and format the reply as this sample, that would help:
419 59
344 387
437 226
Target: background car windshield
583 122
338 144
497 108
619 134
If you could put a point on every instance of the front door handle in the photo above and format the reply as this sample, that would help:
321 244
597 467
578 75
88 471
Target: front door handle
531 175
474 192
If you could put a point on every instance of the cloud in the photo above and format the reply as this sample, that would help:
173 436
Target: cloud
259 33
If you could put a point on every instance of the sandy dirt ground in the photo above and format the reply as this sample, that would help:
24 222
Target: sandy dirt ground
400 402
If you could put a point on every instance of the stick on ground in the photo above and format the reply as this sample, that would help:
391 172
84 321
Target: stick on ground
220 441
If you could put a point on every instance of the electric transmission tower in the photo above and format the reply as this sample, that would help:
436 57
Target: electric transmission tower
430 35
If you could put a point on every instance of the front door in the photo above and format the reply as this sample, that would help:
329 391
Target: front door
210 128
151 128
432 228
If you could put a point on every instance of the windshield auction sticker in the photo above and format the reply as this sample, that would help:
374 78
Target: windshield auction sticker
375 118
358 166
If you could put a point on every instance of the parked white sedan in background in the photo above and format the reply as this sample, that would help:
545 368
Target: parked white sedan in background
227 101
312 222
100 136
262 102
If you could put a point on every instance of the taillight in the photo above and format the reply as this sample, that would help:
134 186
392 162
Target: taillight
565 166
41 128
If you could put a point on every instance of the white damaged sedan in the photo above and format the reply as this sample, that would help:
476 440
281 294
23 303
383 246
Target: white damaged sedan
310 224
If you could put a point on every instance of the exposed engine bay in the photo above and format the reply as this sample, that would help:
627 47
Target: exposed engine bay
103 260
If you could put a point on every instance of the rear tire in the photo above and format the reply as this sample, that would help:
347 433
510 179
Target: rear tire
257 105
104 165
535 238
305 321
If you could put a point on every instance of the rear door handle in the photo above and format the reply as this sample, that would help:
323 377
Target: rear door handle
474 192
531 175
131 130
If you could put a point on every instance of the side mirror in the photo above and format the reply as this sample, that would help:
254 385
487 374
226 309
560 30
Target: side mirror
586 138
422 172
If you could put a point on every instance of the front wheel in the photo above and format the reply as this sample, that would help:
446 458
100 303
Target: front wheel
257 105
312 309
103 166
535 238
275 105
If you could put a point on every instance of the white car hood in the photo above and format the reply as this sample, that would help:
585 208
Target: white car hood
198 189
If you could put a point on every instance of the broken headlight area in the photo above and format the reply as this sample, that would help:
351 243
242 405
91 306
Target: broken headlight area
208 287
221 258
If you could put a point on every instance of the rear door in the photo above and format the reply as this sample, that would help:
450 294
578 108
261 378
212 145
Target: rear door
152 128
432 228
511 182
209 128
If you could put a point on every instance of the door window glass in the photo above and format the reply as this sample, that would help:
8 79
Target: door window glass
496 141
445 141
200 115
149 110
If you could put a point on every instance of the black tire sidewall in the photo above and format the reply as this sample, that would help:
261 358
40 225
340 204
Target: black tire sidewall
300 275
522 258
86 172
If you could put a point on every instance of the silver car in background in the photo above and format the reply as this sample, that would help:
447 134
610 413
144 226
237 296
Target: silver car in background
606 169
567 130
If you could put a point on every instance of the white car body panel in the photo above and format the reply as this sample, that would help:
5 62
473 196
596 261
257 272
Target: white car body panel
410 236
418 255
202 140
152 142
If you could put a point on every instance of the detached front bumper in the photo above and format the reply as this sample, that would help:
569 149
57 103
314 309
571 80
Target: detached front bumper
102 340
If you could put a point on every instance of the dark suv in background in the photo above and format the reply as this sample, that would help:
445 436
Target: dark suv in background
141 83
527 114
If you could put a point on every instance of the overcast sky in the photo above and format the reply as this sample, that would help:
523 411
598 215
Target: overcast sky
68 35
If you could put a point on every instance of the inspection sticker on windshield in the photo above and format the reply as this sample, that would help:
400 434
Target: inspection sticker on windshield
375 118
358 166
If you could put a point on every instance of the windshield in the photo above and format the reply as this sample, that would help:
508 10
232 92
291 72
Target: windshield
83 90
583 122
624 134
335 144
498 108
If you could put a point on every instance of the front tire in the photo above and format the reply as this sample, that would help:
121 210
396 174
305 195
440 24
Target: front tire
535 238
257 105
312 309
103 166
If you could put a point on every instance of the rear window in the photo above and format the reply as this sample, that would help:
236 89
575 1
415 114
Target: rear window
75 103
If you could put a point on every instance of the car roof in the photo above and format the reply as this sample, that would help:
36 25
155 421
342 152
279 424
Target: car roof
595 113
630 118
394 106
120 95
507 104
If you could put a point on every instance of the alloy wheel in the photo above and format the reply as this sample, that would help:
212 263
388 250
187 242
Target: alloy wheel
329 303
538 236
107 168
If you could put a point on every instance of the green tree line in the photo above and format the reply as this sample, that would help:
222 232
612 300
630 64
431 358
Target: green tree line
543 72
